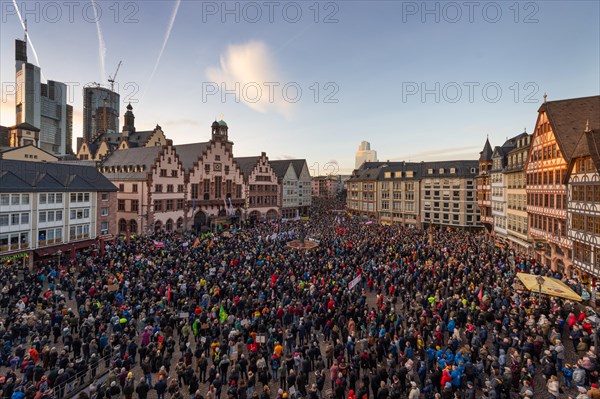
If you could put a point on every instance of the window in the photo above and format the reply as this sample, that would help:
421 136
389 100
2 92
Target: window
134 188
218 187
180 188
217 157
158 188
121 187
104 228
79 232
163 173
25 199
24 218
157 206
120 205
169 205
43 199
105 195
194 191
4 220
174 173
179 204
104 212
135 205
207 168
169 188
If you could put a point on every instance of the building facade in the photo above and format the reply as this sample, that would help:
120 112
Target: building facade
516 196
499 183
557 131
325 186
152 195
484 189
398 194
262 188
50 207
362 199
215 184
449 194
583 203
416 194
295 187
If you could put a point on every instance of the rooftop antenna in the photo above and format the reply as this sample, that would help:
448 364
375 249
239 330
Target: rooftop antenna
545 96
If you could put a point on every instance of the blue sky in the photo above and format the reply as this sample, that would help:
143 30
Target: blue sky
363 69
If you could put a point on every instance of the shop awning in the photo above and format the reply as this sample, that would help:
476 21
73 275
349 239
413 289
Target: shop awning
550 286
47 251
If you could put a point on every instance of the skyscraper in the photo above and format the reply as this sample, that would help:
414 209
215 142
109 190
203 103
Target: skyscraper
100 112
43 105
365 154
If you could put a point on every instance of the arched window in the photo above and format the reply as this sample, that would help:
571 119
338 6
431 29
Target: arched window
122 226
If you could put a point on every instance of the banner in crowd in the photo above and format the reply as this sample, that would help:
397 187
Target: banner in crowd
353 283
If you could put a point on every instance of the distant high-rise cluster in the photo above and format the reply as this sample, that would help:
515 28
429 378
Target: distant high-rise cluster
42 106
365 154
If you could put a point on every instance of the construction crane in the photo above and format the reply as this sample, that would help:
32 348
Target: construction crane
111 79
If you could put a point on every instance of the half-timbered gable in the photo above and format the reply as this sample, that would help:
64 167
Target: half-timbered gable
214 181
556 136
262 187
167 191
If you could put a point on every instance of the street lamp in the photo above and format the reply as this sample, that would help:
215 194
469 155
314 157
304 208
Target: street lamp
540 281
58 254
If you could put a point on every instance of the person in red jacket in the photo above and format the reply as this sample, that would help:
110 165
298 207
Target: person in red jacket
446 377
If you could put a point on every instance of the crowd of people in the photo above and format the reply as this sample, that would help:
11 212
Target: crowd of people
374 312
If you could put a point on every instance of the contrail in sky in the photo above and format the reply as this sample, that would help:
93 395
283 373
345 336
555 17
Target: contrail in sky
37 60
101 44
166 39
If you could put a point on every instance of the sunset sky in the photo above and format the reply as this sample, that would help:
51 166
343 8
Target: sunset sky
419 81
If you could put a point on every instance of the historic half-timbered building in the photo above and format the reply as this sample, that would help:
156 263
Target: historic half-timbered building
215 194
516 196
558 130
583 205
151 186
263 198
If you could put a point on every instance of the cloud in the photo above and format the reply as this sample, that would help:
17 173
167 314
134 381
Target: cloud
250 71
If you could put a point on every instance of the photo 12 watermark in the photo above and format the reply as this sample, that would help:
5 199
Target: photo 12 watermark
453 12
252 12
127 91
469 92
271 92
330 168
71 11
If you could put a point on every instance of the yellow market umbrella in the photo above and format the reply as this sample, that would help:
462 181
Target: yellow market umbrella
550 286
